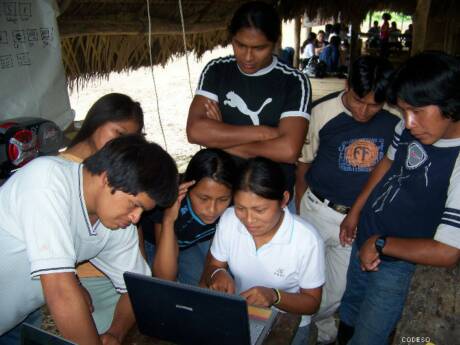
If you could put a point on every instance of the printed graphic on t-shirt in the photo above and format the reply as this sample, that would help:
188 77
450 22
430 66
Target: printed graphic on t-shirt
416 156
235 101
390 191
360 155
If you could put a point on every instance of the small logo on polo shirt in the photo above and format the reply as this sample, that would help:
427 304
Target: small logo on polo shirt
279 273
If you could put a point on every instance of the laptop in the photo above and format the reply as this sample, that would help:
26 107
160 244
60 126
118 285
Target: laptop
185 314
31 335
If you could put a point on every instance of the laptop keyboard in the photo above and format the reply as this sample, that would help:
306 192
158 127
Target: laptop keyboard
255 329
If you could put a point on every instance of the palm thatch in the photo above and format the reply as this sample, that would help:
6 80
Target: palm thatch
102 36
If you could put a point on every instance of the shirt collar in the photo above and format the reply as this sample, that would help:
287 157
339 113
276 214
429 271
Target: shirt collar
91 228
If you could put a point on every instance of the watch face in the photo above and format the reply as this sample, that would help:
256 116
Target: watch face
379 244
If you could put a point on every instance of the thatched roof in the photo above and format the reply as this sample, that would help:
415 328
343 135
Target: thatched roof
101 36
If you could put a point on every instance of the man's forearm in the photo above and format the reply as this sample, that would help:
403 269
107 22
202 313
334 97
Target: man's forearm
300 183
123 318
216 134
69 308
422 251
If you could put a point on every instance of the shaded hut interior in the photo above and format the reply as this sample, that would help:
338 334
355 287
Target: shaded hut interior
103 36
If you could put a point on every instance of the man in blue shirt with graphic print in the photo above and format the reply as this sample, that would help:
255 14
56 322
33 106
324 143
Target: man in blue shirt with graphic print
349 134
408 212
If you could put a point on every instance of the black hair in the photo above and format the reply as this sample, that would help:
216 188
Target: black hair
258 15
370 74
337 28
216 164
386 16
429 78
262 177
134 165
113 107
334 41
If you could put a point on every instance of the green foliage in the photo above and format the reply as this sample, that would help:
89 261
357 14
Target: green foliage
402 21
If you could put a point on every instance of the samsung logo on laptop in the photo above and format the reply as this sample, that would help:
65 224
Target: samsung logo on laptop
179 306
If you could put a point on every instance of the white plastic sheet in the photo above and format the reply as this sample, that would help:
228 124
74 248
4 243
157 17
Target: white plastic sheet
32 81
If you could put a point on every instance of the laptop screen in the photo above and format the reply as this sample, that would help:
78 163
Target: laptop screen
31 335
186 314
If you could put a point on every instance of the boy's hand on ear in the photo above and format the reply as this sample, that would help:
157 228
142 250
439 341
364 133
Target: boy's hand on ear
171 213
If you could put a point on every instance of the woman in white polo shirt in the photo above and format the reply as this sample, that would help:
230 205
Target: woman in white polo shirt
263 252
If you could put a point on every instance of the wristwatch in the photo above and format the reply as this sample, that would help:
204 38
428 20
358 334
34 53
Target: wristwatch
380 243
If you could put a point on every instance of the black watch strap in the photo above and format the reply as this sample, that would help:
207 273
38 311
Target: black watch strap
380 244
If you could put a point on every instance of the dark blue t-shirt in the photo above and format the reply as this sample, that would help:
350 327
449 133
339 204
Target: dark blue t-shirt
189 228
411 200
343 151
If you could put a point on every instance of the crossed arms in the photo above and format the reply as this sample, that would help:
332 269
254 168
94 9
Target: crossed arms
281 144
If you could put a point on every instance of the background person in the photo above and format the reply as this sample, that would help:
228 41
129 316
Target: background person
330 55
183 232
72 213
373 40
250 104
320 42
308 49
349 134
385 35
411 196
275 258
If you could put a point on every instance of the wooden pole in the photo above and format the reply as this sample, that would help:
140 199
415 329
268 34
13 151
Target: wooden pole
354 47
420 26
297 26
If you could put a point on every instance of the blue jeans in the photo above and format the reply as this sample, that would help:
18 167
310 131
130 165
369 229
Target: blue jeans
190 264
13 336
301 336
373 301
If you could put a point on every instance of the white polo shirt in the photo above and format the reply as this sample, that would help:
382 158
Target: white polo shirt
293 259
42 206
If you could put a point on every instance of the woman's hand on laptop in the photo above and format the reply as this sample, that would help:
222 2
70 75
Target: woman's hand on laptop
222 281
259 296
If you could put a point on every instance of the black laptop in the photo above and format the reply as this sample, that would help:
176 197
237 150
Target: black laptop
31 335
185 314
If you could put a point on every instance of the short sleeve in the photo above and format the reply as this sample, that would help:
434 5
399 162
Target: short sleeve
298 99
221 244
47 231
207 84
448 231
391 152
311 144
121 254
